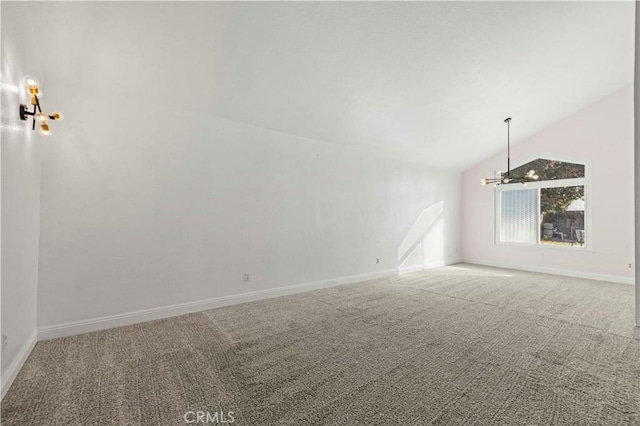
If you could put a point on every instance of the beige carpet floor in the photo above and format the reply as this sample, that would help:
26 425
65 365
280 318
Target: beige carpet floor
460 345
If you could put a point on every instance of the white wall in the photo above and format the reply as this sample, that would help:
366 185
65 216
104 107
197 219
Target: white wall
145 206
20 200
601 136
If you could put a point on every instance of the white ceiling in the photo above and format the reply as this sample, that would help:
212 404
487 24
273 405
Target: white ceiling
422 81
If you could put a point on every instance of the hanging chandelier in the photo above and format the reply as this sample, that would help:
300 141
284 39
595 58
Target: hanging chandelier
506 177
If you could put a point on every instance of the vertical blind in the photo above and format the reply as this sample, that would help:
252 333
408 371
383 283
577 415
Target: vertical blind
519 216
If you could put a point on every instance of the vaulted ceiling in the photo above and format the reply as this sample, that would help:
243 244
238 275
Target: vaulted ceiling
423 81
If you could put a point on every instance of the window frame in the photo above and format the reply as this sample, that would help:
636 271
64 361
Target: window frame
588 212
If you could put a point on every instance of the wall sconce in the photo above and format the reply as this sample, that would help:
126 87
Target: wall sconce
33 89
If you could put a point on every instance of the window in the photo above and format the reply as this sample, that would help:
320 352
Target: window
549 212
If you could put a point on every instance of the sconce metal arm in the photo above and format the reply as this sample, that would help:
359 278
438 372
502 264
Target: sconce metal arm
24 112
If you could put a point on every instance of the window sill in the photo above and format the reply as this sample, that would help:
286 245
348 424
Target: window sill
576 249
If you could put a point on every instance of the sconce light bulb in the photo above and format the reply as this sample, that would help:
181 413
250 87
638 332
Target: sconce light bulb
44 129
30 81
535 177
506 180
41 117
483 181
56 116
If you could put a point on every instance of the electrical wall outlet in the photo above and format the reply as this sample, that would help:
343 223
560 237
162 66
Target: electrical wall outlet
629 266
247 277
377 260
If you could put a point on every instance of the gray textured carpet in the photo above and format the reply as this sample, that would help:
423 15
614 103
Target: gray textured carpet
459 345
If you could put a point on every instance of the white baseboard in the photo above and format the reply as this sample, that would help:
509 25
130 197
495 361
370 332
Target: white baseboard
430 265
118 320
14 368
102 323
636 332
409 269
563 272
441 263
